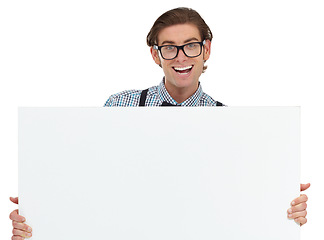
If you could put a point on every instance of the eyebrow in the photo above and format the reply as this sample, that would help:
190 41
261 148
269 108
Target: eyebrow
186 41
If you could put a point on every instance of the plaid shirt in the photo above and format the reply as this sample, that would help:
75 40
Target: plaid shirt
156 95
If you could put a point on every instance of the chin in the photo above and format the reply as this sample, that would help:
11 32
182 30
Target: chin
182 82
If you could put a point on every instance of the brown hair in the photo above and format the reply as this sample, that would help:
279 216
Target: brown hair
178 16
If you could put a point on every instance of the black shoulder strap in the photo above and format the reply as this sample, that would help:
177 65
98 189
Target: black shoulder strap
143 98
219 104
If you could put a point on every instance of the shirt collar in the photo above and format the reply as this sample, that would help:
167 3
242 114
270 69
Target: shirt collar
192 101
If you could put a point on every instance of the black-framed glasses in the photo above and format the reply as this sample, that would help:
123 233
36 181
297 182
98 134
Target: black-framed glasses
191 50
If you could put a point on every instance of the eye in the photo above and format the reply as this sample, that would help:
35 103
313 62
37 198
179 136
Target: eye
192 45
169 48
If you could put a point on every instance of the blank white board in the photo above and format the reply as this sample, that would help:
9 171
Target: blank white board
159 173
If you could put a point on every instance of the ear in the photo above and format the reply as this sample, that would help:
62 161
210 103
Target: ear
155 56
207 47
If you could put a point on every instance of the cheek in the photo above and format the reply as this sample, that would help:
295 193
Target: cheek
200 66
166 65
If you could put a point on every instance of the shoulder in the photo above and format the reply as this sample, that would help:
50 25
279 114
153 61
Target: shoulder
128 98
207 100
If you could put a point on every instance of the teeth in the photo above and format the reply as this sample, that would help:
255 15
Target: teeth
183 68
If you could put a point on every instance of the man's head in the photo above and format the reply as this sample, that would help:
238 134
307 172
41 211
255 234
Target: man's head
179 27
178 16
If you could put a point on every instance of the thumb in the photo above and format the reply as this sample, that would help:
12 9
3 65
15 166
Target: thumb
14 200
303 187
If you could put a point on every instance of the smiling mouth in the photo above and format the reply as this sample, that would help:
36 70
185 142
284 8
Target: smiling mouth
183 70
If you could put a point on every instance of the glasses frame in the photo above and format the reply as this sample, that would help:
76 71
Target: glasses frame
179 48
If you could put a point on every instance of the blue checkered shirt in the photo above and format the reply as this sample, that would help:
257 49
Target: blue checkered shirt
156 95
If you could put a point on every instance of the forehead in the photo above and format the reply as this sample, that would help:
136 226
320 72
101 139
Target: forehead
178 34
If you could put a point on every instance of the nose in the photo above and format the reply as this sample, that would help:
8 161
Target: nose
181 56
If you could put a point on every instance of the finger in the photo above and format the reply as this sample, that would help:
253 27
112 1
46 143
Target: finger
297 214
17 232
16 217
301 220
21 226
303 187
298 208
14 200
17 238
301 199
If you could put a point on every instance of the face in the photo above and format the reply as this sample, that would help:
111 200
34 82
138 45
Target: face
175 79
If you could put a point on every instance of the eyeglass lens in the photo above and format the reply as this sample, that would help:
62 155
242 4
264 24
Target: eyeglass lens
191 50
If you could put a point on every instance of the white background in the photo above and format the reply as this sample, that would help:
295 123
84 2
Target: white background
77 53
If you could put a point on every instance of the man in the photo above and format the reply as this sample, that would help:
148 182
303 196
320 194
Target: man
180 43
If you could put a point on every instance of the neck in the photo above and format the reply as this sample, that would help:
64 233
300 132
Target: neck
180 94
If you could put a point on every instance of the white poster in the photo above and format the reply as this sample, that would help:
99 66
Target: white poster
159 173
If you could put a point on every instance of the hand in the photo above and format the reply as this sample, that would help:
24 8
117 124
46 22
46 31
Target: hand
20 230
298 207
